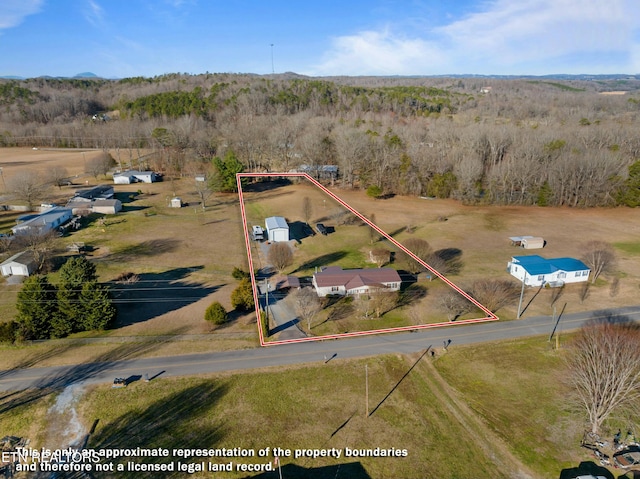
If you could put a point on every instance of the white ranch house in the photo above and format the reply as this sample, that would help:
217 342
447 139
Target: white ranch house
535 270
349 282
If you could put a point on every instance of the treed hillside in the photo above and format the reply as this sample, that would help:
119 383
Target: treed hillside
507 141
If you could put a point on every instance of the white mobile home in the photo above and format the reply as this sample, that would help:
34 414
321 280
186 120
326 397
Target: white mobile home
277 229
535 270
44 222
134 176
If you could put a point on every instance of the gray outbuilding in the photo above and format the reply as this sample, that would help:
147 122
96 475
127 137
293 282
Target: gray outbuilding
277 229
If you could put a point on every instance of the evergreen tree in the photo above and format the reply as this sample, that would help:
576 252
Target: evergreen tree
74 274
630 192
36 308
97 311
223 178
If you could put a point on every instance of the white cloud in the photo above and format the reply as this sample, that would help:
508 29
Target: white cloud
527 36
13 12
512 32
94 13
382 53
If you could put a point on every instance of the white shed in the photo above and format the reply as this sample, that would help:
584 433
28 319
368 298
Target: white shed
277 228
176 202
20 264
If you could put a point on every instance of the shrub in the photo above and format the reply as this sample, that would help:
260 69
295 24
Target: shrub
374 191
242 296
8 331
239 274
215 313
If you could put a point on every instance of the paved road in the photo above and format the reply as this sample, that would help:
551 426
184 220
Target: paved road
306 352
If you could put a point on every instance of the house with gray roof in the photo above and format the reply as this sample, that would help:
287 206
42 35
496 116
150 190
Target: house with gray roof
48 220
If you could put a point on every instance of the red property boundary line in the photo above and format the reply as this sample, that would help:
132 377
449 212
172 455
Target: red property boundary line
239 176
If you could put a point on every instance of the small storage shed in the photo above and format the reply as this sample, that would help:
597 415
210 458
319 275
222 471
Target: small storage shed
527 242
277 228
176 203
20 264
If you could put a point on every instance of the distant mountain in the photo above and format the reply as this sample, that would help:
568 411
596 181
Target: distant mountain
78 76
86 75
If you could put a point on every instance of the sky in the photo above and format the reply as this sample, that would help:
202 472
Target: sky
126 38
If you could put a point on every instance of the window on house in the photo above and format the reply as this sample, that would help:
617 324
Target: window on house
578 273
334 288
541 277
562 275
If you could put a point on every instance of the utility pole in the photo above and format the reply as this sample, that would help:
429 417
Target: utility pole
524 278
366 385
273 70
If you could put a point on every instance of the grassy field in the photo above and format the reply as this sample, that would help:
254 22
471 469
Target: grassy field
490 410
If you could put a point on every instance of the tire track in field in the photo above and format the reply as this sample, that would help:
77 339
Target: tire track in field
490 443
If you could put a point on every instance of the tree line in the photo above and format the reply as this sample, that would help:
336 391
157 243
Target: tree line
77 302
526 142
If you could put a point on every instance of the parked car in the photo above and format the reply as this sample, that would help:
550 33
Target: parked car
258 233
322 229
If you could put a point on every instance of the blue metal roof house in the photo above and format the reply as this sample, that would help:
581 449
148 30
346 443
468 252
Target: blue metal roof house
535 270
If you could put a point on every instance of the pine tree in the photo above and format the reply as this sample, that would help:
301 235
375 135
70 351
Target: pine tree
36 308
74 274
97 311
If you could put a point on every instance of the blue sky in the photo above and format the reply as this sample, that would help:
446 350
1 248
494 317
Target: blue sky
123 38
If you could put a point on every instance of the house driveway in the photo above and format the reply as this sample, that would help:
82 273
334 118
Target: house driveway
283 318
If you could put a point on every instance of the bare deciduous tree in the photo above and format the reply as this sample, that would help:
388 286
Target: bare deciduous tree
41 244
203 190
57 175
306 303
100 165
27 186
419 248
604 368
381 302
600 257
495 293
280 255
380 256
454 304
307 209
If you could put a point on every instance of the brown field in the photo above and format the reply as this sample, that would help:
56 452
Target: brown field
480 233
184 257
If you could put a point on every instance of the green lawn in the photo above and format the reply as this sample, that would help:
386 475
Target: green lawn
629 248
